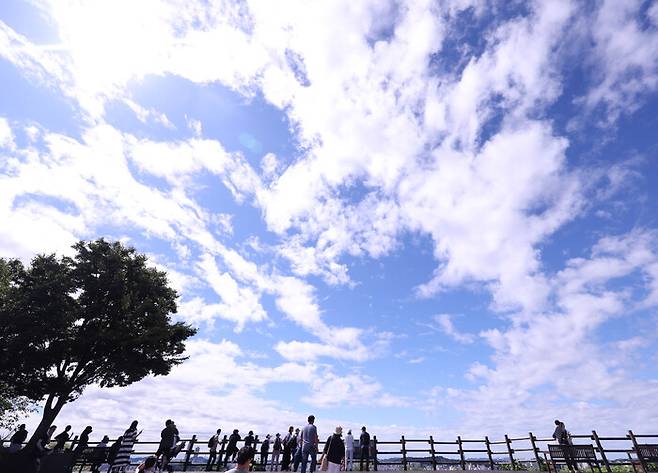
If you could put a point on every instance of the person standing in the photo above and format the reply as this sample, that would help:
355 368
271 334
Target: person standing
334 451
264 451
213 443
297 452
168 439
82 443
100 455
364 448
309 444
276 452
249 440
349 450
562 436
16 440
287 449
61 439
232 447
122 461
113 451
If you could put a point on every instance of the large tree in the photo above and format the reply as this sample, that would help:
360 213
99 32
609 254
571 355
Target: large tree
101 316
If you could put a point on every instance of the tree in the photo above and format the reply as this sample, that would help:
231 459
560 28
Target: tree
12 409
101 316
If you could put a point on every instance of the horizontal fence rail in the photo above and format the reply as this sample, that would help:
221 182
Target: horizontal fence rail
509 453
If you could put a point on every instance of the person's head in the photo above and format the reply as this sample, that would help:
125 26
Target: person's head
150 461
339 430
245 455
105 439
51 429
219 431
168 422
349 432
363 429
278 434
267 436
67 428
311 419
291 429
297 430
235 431
21 427
120 439
251 432
557 422
133 425
88 429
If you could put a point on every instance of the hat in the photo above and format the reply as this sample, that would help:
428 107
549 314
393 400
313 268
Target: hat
339 430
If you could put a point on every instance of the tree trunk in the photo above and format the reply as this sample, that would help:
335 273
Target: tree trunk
50 412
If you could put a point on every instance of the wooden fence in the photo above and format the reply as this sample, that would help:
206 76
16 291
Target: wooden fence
510 453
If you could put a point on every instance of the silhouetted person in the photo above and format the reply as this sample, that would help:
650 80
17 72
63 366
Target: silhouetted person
297 452
168 438
232 447
113 451
99 455
276 452
364 448
83 441
122 460
309 444
245 456
41 447
61 439
287 449
212 445
16 440
249 440
264 451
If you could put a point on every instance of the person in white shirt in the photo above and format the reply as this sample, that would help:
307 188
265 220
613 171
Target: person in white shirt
349 450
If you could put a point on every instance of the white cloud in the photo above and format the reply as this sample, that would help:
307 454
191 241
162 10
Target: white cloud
444 321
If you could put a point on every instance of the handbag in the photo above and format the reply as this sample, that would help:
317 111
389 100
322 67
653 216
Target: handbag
324 461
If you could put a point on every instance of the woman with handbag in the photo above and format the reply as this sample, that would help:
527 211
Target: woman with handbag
333 454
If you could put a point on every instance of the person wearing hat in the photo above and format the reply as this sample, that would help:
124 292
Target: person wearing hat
276 452
264 450
333 454
232 447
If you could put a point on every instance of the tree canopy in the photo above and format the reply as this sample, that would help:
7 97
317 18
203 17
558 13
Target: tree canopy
101 316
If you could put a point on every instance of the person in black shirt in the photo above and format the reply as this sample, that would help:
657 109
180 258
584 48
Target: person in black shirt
364 448
334 450
61 439
232 447
16 440
112 452
264 451
83 442
249 440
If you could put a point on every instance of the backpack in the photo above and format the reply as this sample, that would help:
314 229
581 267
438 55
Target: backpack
211 441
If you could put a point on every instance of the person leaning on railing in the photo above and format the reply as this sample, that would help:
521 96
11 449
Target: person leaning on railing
16 440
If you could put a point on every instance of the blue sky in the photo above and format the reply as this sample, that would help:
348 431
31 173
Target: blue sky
427 217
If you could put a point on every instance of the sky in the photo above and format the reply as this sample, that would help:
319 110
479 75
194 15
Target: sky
427 217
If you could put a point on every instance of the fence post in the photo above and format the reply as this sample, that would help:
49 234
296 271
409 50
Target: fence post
510 452
462 460
637 451
599 445
404 453
375 464
535 450
486 441
190 446
433 453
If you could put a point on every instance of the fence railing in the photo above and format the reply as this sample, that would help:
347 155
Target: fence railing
509 453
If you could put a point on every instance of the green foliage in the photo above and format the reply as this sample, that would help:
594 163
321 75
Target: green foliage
101 316
13 408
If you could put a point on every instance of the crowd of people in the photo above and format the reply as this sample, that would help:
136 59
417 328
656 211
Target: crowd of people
297 450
